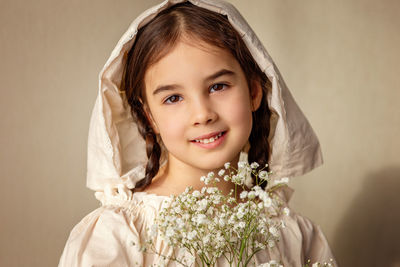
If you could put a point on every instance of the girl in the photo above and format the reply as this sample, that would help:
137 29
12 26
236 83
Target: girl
187 88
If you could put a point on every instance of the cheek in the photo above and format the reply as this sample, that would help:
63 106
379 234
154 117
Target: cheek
170 127
238 112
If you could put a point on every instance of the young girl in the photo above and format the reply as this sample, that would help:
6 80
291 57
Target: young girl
188 87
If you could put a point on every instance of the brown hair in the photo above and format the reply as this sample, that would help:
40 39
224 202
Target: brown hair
156 39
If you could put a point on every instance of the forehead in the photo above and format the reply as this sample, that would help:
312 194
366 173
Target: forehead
189 60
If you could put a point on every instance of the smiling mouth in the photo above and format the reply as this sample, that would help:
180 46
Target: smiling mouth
209 140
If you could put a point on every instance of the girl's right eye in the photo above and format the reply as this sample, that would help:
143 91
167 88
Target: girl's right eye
172 99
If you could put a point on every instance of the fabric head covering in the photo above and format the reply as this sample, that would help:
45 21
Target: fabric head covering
116 151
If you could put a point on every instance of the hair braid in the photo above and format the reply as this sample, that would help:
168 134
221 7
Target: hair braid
259 145
153 149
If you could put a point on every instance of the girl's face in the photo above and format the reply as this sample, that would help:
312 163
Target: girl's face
199 102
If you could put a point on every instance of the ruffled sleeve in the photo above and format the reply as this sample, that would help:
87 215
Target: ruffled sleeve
104 237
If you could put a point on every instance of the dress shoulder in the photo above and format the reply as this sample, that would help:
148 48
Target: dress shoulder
111 234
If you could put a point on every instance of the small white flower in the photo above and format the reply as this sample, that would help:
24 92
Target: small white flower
206 239
271 243
242 225
210 175
243 194
227 165
226 178
267 202
315 264
241 164
202 204
254 165
263 175
196 193
221 172
251 195
192 234
170 232
273 231
202 178
286 211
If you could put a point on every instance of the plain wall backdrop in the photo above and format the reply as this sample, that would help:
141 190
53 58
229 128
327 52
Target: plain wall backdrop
340 59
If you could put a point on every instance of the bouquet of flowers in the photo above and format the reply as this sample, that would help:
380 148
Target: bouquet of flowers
208 224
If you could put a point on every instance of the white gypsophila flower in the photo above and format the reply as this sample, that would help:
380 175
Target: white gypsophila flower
242 164
192 235
212 190
263 175
315 264
217 180
254 165
251 195
211 175
273 231
202 178
170 232
227 165
208 222
271 243
243 194
196 194
202 205
206 239
240 214
267 202
177 209
242 224
286 211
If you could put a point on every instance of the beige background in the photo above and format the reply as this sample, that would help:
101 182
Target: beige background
340 58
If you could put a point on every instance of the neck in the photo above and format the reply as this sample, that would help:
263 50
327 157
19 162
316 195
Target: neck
175 176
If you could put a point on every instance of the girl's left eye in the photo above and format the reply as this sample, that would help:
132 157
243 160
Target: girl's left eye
218 87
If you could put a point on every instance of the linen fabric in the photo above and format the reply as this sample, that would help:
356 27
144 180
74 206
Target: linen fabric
111 235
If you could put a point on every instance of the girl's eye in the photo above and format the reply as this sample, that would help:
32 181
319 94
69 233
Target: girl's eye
218 87
172 99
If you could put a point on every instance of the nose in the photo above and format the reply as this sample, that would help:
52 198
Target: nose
203 112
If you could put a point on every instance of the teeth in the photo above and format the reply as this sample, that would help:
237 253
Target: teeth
209 140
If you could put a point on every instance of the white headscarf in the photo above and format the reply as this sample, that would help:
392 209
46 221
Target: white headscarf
116 151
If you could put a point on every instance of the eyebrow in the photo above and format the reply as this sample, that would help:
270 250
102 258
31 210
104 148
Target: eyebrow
219 73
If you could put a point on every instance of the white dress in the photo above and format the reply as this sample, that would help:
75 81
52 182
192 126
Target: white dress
112 234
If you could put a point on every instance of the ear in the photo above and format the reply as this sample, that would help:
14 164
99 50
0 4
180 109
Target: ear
256 94
150 118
